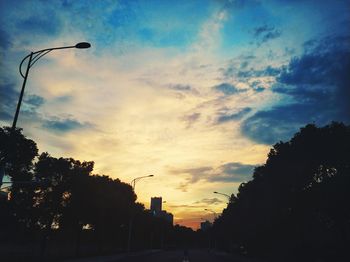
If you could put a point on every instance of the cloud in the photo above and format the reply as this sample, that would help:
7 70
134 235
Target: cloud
322 74
317 86
257 86
5 41
209 201
195 173
8 98
186 206
65 125
180 87
228 89
233 117
191 118
266 33
268 71
183 88
281 122
43 25
233 172
34 100
226 173
235 168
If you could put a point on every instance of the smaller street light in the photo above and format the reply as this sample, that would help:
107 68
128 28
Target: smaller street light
226 195
133 182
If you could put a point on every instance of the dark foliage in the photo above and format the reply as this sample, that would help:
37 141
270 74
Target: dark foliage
296 207
59 204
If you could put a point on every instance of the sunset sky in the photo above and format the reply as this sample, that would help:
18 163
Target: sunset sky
193 92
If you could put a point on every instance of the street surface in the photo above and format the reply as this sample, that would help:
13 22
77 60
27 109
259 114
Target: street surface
178 256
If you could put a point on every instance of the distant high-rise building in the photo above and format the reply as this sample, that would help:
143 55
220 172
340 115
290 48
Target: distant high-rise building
167 216
156 209
156 205
205 225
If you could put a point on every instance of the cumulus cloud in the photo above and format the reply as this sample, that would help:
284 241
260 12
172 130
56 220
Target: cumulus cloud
315 82
191 118
8 101
40 25
228 89
5 41
65 125
268 71
233 117
266 33
226 173
209 201
233 172
34 100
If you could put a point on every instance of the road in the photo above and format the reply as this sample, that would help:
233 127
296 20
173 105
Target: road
177 256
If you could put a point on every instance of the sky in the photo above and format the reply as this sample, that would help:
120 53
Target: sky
194 92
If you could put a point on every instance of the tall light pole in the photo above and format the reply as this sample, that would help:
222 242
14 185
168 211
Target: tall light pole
223 194
32 58
229 198
133 184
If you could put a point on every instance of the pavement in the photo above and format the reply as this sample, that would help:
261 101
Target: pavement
113 258
199 255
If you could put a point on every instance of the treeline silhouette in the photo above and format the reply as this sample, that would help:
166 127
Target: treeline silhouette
296 207
57 207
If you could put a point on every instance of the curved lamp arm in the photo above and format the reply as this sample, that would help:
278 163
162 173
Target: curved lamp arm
35 56
133 182
226 195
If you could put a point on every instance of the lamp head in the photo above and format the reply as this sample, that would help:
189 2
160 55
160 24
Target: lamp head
215 192
151 175
83 45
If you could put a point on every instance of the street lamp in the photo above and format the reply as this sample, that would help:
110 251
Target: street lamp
223 194
33 57
133 184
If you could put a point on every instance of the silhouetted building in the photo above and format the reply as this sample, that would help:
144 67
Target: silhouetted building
156 205
156 209
167 216
205 225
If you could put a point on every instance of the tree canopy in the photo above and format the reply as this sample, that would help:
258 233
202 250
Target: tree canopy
297 202
60 200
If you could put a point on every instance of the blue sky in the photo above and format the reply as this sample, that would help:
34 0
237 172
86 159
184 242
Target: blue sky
195 92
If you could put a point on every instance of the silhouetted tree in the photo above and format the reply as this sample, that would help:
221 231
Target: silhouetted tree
62 203
17 154
297 202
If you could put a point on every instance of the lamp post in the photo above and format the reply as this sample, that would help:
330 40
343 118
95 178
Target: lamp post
32 58
223 194
211 231
133 184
